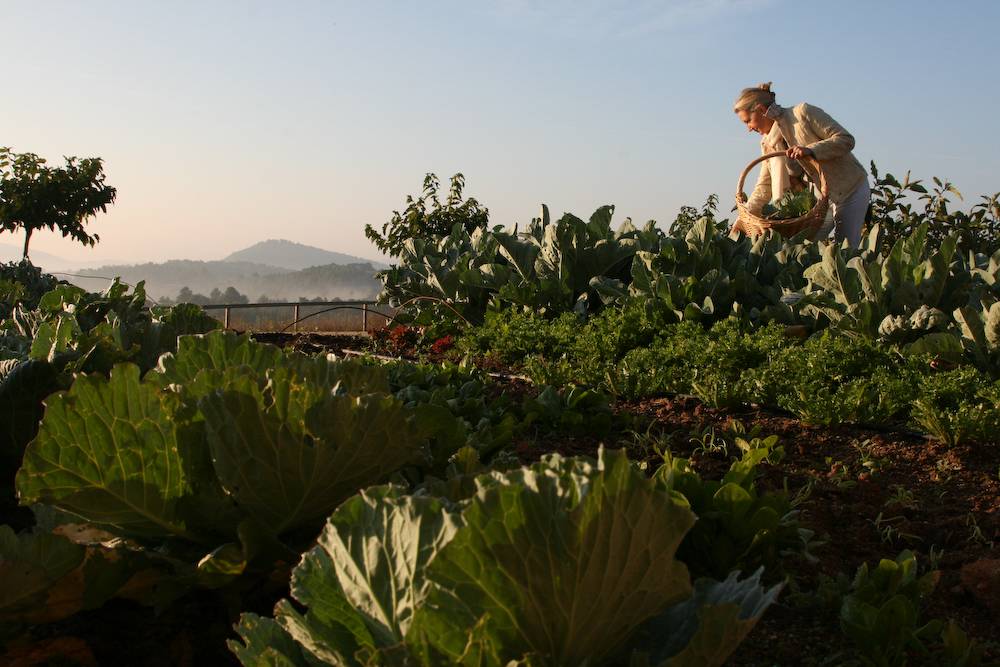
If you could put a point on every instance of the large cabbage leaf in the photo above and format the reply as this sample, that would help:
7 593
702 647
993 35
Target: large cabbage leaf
202 363
290 452
47 576
361 583
560 560
200 447
107 450
567 562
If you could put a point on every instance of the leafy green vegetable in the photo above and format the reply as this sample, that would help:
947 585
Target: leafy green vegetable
227 432
48 577
881 613
569 561
791 205
739 526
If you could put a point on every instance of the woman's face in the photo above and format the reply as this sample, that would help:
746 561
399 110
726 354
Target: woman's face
755 120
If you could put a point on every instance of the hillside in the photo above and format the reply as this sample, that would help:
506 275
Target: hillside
294 256
351 281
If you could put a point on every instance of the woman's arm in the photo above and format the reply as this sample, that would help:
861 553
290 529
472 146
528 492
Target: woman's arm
837 141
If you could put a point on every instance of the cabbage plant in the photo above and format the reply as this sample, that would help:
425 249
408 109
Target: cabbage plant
570 561
227 451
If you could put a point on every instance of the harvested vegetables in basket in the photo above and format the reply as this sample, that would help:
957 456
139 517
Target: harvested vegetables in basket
791 205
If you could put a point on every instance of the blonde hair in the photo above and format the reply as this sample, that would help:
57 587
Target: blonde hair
751 97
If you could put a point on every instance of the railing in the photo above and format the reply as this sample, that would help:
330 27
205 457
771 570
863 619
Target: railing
371 314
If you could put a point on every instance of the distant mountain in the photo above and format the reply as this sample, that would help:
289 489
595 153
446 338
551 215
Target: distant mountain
294 256
350 281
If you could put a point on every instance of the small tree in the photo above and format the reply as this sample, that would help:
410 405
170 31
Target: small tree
36 196
419 222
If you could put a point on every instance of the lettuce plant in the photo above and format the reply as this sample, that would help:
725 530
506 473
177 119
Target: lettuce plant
958 405
566 562
739 526
882 615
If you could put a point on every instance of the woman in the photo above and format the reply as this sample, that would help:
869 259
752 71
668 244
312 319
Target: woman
806 131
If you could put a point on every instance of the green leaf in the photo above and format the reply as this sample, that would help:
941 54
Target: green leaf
266 644
561 560
30 565
107 450
215 352
375 550
706 628
54 337
289 453
47 577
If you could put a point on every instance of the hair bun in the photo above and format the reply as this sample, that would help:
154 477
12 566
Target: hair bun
765 86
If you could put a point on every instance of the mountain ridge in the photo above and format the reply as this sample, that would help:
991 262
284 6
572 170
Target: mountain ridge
294 256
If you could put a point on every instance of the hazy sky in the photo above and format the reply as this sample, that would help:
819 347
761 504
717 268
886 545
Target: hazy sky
226 123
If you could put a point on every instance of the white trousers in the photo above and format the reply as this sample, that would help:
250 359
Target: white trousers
847 218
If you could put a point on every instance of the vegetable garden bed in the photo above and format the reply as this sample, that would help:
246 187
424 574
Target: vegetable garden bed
866 493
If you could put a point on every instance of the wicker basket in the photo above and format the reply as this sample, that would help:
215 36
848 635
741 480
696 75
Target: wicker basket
755 225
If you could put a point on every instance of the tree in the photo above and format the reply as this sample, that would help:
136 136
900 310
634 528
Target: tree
417 221
36 196
232 295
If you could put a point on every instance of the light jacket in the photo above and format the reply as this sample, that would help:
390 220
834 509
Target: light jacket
813 128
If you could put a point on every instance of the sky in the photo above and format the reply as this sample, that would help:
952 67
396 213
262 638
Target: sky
225 123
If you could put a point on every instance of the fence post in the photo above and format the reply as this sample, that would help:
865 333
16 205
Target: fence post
364 317
225 324
295 318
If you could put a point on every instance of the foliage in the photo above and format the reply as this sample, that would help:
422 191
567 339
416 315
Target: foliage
688 215
977 231
526 570
48 339
980 333
896 297
227 458
417 222
739 527
881 615
958 405
478 419
551 268
48 576
22 283
571 410
511 335
35 196
791 205
707 275
834 379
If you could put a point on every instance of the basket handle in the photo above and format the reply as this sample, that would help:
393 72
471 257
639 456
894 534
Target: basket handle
823 190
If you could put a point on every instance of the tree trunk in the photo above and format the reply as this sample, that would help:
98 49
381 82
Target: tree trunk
27 240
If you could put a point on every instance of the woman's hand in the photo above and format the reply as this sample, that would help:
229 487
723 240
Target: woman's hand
798 152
